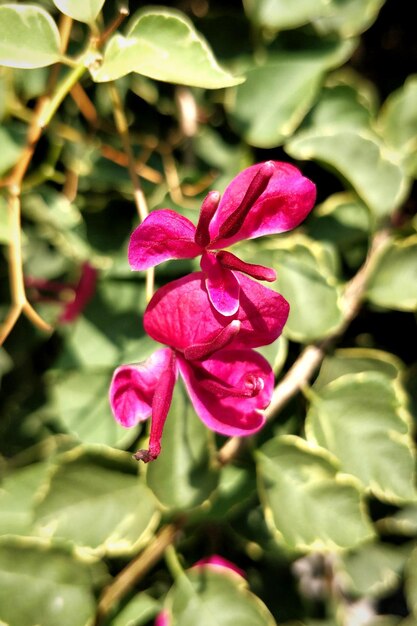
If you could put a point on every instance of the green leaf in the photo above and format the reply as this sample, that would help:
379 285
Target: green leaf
4 220
17 493
45 585
361 419
347 18
163 44
393 281
411 583
183 476
138 612
305 281
356 360
279 15
350 17
359 158
81 10
209 592
403 522
276 96
28 37
344 222
374 569
397 121
96 500
308 505
11 145
80 400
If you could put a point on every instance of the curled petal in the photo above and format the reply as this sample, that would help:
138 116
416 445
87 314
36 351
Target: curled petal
222 285
284 204
180 314
229 390
163 235
208 209
232 262
132 388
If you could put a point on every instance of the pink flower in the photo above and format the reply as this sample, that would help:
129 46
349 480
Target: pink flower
72 297
264 199
215 562
229 383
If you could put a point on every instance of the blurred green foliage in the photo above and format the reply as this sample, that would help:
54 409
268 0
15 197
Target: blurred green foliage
320 509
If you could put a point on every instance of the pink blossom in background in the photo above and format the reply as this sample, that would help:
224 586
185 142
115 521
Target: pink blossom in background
214 561
229 383
219 562
266 198
73 298
162 619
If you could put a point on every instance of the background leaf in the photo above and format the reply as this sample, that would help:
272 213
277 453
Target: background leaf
326 508
163 44
361 419
57 586
28 37
82 10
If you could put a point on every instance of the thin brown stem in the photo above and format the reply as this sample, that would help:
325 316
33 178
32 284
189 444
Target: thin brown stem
301 372
122 15
138 195
135 571
20 303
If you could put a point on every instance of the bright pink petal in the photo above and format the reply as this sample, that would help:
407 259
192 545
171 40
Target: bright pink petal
163 235
180 314
229 390
222 285
263 314
132 388
283 205
219 562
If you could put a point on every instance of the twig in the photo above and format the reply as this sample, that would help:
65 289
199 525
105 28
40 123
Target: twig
139 196
309 360
44 110
135 570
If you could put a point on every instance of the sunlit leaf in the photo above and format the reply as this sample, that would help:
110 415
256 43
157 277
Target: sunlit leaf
95 499
42 584
163 44
276 96
81 10
326 507
212 592
393 281
28 36
359 158
356 360
361 419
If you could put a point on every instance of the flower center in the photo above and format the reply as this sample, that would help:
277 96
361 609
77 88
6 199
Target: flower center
249 386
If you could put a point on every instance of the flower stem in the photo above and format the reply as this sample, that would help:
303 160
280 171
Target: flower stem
138 195
72 77
135 571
